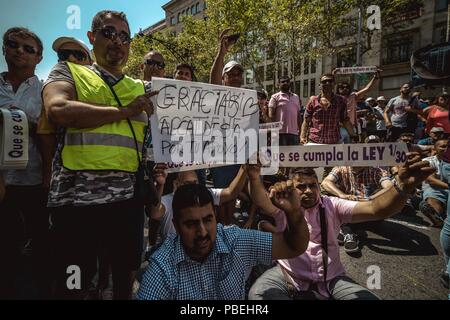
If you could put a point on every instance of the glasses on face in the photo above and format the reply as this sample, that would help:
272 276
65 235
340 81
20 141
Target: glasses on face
158 64
329 81
15 45
111 34
64 55
285 81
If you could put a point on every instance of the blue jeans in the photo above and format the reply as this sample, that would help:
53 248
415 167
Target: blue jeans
445 232
345 137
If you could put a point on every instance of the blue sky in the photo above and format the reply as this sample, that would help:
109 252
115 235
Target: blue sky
48 19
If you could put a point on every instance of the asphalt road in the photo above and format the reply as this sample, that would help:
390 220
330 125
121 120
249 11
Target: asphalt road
409 256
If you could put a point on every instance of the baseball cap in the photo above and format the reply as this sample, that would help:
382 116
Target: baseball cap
230 65
381 98
263 93
436 129
370 99
372 138
63 40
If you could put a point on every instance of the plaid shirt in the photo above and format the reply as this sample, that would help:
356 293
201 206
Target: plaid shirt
325 126
172 275
363 184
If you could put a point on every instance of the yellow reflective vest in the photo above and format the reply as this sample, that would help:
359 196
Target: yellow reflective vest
109 147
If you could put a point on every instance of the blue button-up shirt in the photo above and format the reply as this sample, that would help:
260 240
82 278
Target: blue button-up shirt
172 275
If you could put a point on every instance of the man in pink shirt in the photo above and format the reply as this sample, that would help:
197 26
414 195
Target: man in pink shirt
318 272
285 106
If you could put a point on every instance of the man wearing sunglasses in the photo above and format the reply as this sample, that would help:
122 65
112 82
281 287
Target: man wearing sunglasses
318 273
103 115
153 65
323 115
72 50
24 205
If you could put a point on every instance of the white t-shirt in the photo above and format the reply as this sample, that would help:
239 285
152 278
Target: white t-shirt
28 99
166 223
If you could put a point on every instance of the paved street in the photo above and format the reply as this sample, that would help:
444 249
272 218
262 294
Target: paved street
409 255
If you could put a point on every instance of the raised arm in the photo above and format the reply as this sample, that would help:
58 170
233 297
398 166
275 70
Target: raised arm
217 67
294 240
387 203
329 185
235 187
366 89
63 109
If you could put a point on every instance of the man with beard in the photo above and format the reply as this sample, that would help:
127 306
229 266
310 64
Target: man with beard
318 273
103 115
204 260
285 106
400 106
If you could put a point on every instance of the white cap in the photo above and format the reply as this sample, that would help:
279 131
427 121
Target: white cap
381 98
370 99
62 40
437 129
230 65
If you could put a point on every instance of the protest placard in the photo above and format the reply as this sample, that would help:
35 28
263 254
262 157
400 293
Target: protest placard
354 155
13 139
202 123
352 70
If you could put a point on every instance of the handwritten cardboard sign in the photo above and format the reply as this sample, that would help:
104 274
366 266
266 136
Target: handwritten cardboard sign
13 139
203 116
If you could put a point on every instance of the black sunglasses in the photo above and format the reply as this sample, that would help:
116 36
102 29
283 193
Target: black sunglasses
159 65
327 81
15 45
64 54
111 34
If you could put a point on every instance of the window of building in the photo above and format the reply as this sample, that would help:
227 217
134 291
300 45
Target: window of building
346 58
398 48
297 88
305 66
285 68
269 89
249 76
305 88
270 73
394 82
204 5
312 87
173 20
179 17
193 10
313 66
197 7
440 33
442 5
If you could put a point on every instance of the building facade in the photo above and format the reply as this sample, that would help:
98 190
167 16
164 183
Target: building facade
391 50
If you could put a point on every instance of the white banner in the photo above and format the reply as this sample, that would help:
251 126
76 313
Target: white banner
271 126
352 70
13 139
353 155
198 122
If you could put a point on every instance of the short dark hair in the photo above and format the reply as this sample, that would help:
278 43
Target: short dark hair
284 78
439 140
190 195
306 172
24 33
97 21
187 66
328 75
407 134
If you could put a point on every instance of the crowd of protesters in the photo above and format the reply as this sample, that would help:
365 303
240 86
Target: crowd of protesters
76 203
